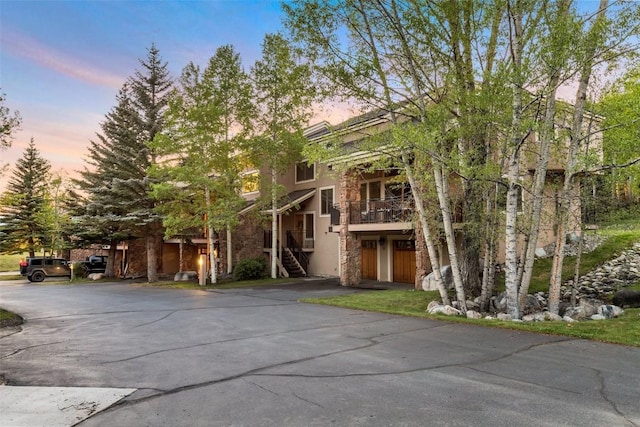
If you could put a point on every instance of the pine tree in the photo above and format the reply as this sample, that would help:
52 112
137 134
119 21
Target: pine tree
23 202
119 201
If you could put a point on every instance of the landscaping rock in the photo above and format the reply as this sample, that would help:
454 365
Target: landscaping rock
444 309
429 281
185 276
610 311
504 316
472 314
96 276
627 298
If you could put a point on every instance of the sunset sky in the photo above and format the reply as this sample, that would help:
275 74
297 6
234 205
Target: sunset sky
62 62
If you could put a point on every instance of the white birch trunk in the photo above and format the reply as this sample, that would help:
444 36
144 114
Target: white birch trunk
274 226
229 253
210 231
443 198
426 231
513 172
570 169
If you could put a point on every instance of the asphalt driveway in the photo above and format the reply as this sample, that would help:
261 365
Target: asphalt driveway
257 357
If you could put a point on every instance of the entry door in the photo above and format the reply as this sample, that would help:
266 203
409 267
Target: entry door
369 262
404 261
305 229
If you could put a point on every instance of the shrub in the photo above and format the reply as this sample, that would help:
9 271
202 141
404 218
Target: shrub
250 269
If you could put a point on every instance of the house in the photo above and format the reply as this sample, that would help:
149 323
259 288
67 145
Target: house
358 224
355 223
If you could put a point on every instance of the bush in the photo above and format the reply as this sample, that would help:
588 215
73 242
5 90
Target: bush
250 269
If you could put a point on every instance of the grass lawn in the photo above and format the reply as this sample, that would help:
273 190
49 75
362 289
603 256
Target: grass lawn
11 262
622 330
8 318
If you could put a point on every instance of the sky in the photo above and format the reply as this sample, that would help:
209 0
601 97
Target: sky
63 62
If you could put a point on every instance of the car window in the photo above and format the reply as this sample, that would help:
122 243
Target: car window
36 262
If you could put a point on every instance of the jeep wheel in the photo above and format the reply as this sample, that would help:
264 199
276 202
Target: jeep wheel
37 276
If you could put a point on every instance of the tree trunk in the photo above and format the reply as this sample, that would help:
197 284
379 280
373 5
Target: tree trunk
568 187
181 255
229 253
109 270
441 183
274 226
153 252
210 243
426 231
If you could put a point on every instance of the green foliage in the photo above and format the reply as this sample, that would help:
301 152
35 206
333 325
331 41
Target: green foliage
10 262
207 122
620 107
250 269
23 205
622 330
116 182
9 123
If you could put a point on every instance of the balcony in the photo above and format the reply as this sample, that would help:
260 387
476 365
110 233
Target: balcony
378 214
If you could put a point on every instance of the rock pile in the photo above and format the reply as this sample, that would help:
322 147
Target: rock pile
592 290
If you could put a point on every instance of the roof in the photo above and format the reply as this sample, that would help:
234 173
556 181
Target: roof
286 203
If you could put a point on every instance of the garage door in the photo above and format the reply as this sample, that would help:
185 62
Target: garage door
404 261
369 263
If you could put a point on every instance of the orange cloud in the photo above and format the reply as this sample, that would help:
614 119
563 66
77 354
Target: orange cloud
23 46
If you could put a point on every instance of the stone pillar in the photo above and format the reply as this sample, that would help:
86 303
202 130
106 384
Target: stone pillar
350 256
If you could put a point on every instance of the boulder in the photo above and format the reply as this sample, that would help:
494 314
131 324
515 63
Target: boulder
185 276
96 276
504 316
627 298
472 314
609 311
541 253
445 309
531 305
429 281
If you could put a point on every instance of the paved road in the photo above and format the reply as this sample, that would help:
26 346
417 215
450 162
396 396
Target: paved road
256 357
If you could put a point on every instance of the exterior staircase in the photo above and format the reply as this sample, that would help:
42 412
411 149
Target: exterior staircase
291 264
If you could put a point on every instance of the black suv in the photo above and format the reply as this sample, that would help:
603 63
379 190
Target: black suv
39 268
95 264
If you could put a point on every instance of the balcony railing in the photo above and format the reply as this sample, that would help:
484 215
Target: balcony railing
381 211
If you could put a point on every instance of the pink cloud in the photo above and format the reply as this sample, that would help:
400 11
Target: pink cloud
46 56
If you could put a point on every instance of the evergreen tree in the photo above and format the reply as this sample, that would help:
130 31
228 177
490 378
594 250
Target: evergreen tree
23 202
118 186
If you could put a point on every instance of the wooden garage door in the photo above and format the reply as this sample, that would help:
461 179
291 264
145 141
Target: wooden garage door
369 262
404 261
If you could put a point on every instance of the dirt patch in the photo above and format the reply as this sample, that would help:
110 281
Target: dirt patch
14 320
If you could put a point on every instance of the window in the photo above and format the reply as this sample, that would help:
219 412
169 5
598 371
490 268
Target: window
305 172
250 182
326 201
370 191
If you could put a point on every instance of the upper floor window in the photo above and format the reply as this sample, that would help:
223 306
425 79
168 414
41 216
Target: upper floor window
326 201
305 171
250 182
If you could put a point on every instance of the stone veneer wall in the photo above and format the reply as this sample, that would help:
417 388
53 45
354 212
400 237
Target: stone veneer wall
247 240
350 249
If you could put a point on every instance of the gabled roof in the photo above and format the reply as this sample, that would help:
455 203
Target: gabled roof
286 203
